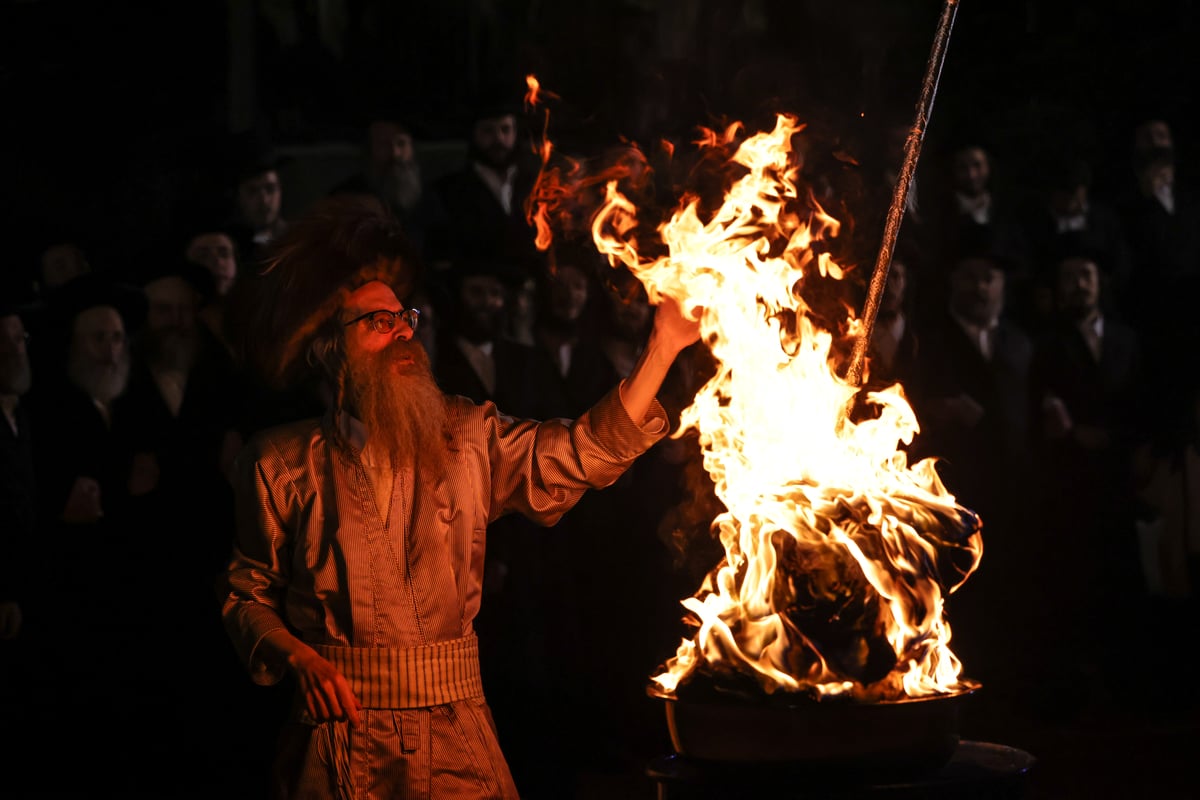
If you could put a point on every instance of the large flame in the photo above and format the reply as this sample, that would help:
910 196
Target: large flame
839 555
815 500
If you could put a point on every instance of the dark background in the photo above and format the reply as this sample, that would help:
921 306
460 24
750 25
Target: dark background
111 109
113 112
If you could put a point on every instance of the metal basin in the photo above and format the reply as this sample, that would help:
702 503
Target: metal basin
907 736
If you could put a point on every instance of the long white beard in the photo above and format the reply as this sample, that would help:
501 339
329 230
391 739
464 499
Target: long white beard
405 414
102 382
401 186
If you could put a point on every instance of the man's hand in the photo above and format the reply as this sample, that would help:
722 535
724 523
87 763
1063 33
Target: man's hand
327 694
83 503
673 328
672 332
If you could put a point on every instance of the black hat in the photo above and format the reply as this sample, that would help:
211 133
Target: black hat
472 266
496 100
972 240
200 220
400 114
56 325
248 154
1075 244
94 289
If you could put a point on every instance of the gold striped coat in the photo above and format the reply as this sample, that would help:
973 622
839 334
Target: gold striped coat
392 600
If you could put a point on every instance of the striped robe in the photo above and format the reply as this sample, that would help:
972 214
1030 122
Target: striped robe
314 552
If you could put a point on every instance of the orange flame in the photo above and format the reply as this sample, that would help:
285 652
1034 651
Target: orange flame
561 192
815 501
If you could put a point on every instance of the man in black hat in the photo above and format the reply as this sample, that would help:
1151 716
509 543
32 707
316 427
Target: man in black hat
257 208
970 391
360 544
184 393
390 170
1087 384
84 468
476 357
480 209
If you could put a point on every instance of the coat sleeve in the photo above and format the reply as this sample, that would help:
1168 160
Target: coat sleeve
254 585
541 469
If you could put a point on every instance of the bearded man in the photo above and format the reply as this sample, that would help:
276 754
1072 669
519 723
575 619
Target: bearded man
391 172
478 210
360 539
84 450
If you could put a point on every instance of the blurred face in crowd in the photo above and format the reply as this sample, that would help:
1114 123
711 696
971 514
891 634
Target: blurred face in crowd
260 200
393 390
1078 286
1157 177
971 170
61 263
977 290
16 376
1151 134
98 361
631 314
893 291
393 164
170 333
482 301
494 141
568 293
389 143
1069 202
217 253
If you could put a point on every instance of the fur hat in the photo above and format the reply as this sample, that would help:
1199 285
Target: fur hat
341 243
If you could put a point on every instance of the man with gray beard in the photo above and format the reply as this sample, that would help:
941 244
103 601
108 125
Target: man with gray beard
357 565
84 457
391 173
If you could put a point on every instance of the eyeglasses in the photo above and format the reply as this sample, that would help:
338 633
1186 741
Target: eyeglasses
384 321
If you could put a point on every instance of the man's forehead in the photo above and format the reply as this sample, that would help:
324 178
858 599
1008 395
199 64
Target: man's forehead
371 297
